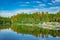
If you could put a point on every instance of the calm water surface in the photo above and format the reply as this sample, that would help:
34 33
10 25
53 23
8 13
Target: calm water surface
11 34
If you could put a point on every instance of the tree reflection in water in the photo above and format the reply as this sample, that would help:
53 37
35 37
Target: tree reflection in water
36 31
33 30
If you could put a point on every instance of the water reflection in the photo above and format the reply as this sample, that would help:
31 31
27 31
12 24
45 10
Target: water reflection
8 34
28 33
35 31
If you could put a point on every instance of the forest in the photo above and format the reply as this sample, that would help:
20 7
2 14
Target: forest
33 18
5 21
36 17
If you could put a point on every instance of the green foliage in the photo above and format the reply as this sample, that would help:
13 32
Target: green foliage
36 17
4 21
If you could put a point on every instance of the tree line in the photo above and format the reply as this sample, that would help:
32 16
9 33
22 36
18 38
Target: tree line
5 21
34 18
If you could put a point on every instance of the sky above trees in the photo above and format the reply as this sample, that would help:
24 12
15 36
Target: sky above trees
12 7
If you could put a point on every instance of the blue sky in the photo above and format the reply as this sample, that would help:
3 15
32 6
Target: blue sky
12 7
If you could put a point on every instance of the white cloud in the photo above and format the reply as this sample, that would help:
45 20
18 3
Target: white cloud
26 10
57 0
54 7
15 12
42 4
54 1
36 9
50 3
27 2
23 5
37 2
24 2
39 6
5 14
22 10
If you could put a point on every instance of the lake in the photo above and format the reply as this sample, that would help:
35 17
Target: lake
28 33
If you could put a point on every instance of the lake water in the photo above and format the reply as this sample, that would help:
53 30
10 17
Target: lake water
28 33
